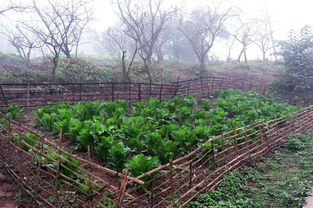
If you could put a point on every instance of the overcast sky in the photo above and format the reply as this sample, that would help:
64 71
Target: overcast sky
285 15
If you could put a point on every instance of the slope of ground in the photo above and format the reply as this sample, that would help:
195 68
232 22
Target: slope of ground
281 180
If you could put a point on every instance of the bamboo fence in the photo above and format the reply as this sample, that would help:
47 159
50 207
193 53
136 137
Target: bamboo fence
43 168
32 96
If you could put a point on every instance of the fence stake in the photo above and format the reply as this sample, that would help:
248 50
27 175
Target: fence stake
171 175
235 140
261 135
112 91
188 87
122 188
201 83
150 88
80 91
57 181
161 89
139 92
90 179
151 194
28 95
129 92
190 175
4 98
223 145
246 135
213 153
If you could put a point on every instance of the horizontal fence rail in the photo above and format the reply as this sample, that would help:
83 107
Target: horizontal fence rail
32 96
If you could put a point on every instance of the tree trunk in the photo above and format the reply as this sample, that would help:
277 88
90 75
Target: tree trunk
202 66
264 55
125 73
240 54
147 63
160 57
245 55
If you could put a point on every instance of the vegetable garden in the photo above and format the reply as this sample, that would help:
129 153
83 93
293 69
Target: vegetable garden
154 132
149 153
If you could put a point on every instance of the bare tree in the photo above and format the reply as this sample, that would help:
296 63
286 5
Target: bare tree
121 45
10 6
161 45
59 26
263 39
203 28
24 42
245 35
143 22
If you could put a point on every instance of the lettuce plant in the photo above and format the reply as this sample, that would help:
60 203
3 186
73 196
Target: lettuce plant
140 164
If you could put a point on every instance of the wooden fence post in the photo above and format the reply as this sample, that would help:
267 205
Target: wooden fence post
122 188
246 135
201 85
160 96
139 92
171 175
28 95
151 194
188 86
112 91
3 96
223 144
235 140
177 86
57 181
129 92
190 174
39 163
150 88
80 91
213 153
261 135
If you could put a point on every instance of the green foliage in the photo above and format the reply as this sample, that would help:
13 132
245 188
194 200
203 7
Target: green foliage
104 146
118 131
118 156
14 112
298 60
141 164
79 70
30 139
277 182
66 162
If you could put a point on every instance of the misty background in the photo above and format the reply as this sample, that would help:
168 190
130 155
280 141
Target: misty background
284 16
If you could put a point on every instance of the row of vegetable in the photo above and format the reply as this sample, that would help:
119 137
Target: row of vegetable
143 135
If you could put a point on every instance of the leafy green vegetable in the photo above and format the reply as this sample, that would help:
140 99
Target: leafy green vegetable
140 164
118 131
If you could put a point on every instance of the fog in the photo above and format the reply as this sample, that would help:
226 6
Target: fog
284 15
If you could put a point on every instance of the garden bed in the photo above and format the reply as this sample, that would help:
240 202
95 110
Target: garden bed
184 122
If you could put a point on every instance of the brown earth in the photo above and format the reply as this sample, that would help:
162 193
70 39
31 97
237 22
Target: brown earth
11 195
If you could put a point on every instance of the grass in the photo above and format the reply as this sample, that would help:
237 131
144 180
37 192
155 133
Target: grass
281 180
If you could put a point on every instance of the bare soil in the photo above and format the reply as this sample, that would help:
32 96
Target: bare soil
11 195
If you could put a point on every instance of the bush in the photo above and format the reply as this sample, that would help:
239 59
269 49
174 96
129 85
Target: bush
79 70
297 53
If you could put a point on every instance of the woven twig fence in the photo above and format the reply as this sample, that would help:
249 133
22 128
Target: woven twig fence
32 96
43 169
171 185
177 183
